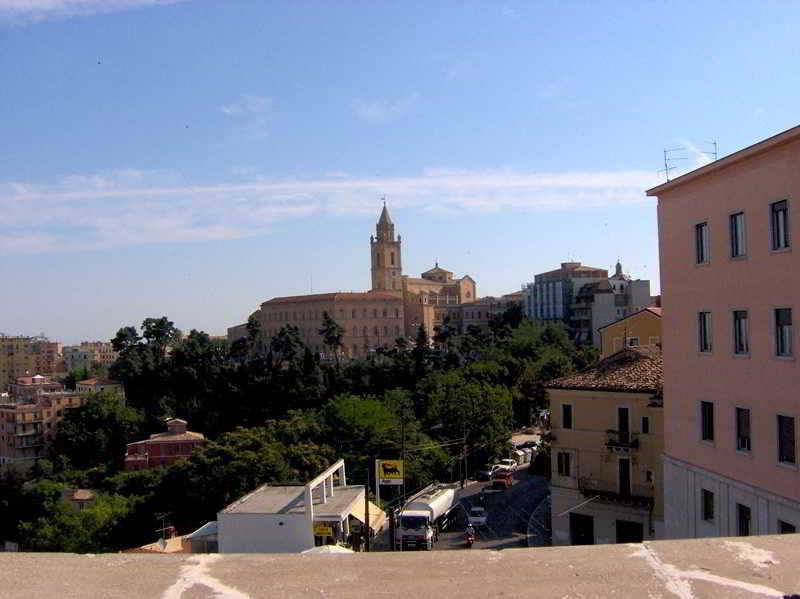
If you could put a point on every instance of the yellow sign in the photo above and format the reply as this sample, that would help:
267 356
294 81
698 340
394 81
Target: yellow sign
390 472
323 530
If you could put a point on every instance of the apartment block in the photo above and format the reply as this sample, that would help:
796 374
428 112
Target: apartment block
730 293
585 298
30 415
88 355
24 356
607 423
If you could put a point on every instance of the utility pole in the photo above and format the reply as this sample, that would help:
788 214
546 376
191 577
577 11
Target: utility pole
366 510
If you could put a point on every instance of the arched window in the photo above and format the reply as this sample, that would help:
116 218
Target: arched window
469 294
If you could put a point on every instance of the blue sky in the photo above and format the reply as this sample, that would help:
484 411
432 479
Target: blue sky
195 158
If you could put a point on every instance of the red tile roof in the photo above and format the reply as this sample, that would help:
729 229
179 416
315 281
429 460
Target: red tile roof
628 370
99 381
366 296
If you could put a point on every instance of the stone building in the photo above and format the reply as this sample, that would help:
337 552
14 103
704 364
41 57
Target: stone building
395 306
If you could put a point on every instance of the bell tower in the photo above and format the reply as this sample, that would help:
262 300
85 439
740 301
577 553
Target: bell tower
385 251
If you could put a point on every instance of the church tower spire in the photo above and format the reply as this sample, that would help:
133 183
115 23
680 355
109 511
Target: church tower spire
386 257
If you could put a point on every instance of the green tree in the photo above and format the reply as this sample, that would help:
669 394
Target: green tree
332 335
96 433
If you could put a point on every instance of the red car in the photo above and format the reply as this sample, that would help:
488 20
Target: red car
502 479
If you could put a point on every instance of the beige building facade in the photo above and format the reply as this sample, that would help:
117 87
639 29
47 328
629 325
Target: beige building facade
395 307
607 421
641 329
30 416
23 356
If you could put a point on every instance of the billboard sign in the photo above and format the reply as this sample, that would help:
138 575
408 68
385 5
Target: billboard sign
390 472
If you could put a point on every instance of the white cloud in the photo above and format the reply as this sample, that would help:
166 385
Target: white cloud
253 111
34 11
126 208
509 12
384 110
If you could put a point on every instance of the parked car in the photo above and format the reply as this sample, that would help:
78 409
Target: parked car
502 479
483 475
509 464
477 516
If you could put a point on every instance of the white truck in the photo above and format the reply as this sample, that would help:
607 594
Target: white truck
418 521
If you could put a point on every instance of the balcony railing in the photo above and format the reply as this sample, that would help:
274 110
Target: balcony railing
621 439
609 492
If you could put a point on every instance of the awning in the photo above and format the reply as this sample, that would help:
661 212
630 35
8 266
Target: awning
377 517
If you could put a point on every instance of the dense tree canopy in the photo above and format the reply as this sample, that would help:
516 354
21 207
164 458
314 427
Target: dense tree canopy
273 411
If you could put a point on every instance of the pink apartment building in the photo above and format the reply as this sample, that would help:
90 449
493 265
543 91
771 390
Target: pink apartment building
729 238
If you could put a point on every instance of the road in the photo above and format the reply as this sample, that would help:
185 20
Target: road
507 513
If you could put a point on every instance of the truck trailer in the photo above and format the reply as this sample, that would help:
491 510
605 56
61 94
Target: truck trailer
419 520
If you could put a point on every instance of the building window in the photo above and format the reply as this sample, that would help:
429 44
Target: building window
566 415
742 429
779 212
737 235
786 450
702 243
633 342
563 464
785 528
353 314
707 420
392 258
648 476
708 504
374 313
645 425
783 332
704 331
743 519
741 341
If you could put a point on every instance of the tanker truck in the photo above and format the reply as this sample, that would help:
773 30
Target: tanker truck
418 521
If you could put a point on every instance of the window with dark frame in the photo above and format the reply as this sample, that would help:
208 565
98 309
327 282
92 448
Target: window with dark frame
743 518
742 429
707 420
563 464
737 235
566 415
783 332
779 217
704 331
741 341
708 504
645 425
786 440
702 243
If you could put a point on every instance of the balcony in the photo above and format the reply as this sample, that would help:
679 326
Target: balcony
621 441
608 492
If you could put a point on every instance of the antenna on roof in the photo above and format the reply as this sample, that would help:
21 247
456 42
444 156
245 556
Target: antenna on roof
669 158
